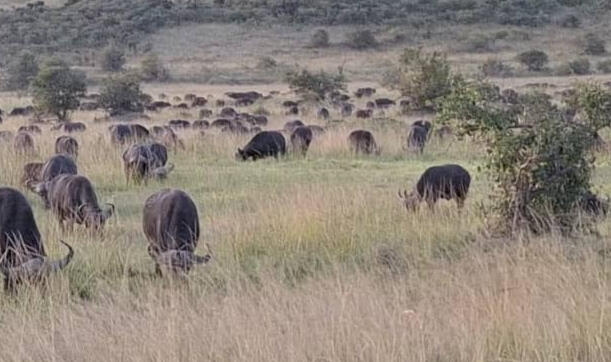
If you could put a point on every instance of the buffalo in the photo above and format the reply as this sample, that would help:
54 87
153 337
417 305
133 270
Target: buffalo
384 102
263 144
362 141
417 137
171 224
122 133
70 127
23 142
144 161
23 253
364 92
179 124
55 166
439 182
364 113
347 110
32 172
31 128
73 200
221 123
205 113
316 130
323 114
66 145
228 112
292 125
201 124
301 139
199 102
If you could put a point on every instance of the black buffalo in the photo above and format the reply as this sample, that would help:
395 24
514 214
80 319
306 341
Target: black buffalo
439 182
144 161
362 141
23 142
263 144
66 145
301 139
171 224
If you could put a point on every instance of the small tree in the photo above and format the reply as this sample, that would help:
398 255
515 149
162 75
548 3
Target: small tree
594 45
320 39
112 59
534 60
151 69
21 71
122 94
580 66
542 170
425 77
57 89
315 86
361 40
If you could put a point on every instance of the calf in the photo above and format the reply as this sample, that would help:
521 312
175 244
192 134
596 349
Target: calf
439 182
171 225
263 144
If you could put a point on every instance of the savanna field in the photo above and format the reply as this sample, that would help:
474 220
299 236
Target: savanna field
314 258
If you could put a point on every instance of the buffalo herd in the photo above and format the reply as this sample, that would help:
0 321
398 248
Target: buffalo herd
170 217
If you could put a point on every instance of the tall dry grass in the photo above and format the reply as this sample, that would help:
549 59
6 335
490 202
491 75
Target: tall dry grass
314 259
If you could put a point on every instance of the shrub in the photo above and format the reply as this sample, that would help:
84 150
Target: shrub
315 86
604 66
534 60
425 77
111 59
580 66
57 88
20 72
122 94
496 68
320 39
570 21
151 69
361 40
563 70
594 45
542 170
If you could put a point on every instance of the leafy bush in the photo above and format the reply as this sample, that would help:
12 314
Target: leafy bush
151 69
594 45
534 60
604 66
425 77
57 88
496 68
20 72
580 66
542 170
122 94
320 39
315 86
111 59
361 40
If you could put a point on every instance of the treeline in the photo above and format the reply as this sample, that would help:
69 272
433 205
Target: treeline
87 24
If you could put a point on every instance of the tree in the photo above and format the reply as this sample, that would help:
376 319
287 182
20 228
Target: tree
542 168
21 71
112 59
316 86
57 89
425 77
122 94
534 60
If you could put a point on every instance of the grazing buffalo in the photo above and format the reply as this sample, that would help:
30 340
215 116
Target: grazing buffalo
362 141
364 92
144 161
179 124
292 125
301 139
439 182
292 111
244 98
189 97
23 254
160 104
71 127
171 224
121 134
23 143
221 123
316 130
167 137
263 144
364 113
220 103
205 113
229 112
32 172
181 106
347 110
55 166
66 145
199 102
417 137
289 104
384 102
201 124
235 127
31 128
21 111
370 105
260 120
323 114
73 200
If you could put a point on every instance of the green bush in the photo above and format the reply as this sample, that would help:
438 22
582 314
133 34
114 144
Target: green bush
594 45
425 77
361 40
542 170
121 94
320 39
111 59
534 60
20 72
57 88
580 66
315 86
151 69
604 66
496 68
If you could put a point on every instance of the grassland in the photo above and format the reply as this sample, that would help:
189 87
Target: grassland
314 259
